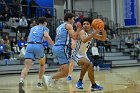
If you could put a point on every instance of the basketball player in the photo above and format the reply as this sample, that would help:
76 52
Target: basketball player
62 48
79 54
35 50
71 64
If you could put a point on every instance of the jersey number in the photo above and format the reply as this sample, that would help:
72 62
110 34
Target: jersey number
88 44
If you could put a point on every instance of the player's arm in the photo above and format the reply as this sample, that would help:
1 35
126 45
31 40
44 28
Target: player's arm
83 37
97 36
48 38
71 32
73 43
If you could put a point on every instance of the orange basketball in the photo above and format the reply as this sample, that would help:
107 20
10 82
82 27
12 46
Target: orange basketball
97 24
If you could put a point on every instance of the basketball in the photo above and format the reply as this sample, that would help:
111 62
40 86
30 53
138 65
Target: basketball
97 24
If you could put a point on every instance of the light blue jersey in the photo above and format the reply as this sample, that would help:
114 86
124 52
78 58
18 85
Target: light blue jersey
35 50
62 46
62 36
37 33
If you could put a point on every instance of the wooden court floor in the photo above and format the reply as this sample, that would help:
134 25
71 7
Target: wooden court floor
118 80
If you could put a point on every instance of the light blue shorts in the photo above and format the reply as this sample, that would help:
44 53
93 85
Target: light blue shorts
63 54
34 51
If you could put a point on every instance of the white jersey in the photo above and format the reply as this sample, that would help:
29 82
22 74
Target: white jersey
80 49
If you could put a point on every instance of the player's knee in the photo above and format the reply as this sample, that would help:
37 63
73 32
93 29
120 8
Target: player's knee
87 64
66 73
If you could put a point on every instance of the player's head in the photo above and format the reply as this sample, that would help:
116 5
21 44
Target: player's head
86 23
69 17
42 20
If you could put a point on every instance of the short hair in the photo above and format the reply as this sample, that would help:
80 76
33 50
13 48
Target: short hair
68 15
88 19
42 20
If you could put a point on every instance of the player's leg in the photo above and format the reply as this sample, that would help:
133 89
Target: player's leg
42 62
29 57
62 53
24 72
27 66
84 63
63 71
94 86
39 54
71 65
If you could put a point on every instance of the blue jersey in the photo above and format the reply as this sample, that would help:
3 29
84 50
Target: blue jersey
62 36
37 33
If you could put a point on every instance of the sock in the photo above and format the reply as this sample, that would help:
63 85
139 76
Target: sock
93 85
80 80
21 79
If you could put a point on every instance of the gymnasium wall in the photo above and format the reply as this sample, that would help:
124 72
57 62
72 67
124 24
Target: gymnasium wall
103 7
59 6
85 5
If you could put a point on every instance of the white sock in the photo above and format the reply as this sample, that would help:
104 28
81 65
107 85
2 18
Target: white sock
21 79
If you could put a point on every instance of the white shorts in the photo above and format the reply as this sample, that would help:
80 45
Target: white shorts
77 57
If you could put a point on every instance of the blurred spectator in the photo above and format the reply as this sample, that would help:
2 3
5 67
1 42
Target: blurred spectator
5 38
4 14
23 22
8 53
15 8
22 53
21 43
100 45
33 5
95 56
2 48
107 45
13 24
2 5
46 45
77 19
129 41
137 49
48 14
1 28
14 46
81 16
33 23
23 25
24 4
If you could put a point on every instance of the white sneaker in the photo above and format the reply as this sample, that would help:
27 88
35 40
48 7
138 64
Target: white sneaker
48 81
11 59
98 68
15 58
95 68
40 85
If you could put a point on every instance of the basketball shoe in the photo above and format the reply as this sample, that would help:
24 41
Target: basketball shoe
48 82
69 78
79 85
96 87
21 87
39 84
